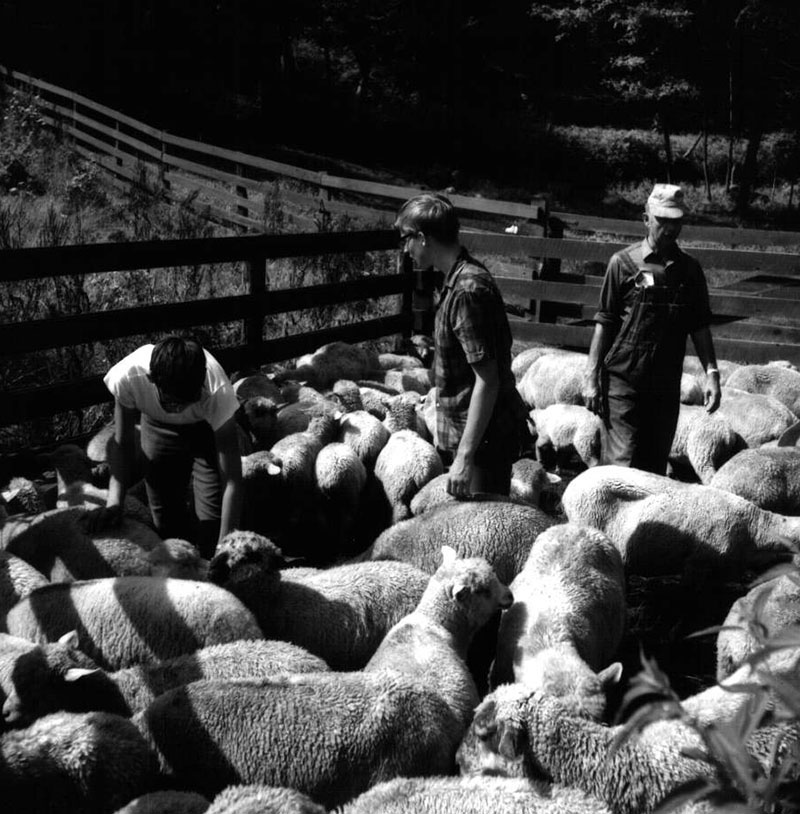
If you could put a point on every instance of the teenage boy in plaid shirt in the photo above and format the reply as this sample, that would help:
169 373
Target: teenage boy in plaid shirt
480 417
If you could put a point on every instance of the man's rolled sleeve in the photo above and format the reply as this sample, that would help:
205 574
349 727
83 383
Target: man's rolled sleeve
470 314
609 312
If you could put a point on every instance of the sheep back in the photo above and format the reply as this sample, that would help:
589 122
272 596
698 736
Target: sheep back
767 476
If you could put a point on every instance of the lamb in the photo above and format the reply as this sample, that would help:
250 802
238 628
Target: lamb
515 733
131 620
530 480
704 441
17 580
780 382
472 795
662 526
84 763
567 619
36 680
61 546
402 413
404 465
564 426
418 379
554 379
756 417
340 614
501 533
365 434
525 358
430 644
773 606
384 726
767 476
434 493
336 360
255 799
167 802
341 478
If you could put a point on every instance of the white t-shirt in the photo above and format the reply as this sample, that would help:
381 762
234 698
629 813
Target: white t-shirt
128 383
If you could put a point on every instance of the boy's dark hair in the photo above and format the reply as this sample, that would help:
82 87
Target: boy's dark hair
178 367
429 213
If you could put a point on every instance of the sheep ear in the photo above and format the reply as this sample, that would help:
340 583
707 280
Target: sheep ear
274 468
509 742
449 555
70 639
553 478
610 675
77 673
459 592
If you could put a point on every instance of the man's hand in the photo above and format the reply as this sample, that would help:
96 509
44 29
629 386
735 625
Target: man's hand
459 477
106 518
592 396
713 392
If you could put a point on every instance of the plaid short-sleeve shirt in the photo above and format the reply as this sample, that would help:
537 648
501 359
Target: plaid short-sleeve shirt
471 325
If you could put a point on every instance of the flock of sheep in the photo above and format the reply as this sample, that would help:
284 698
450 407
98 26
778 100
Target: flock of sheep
366 643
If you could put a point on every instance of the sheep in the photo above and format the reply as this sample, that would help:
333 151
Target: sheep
341 477
502 533
17 580
417 380
530 480
139 685
430 644
525 358
472 795
693 366
554 379
375 398
328 735
255 799
340 614
773 606
402 414
704 441
662 526
21 496
423 347
365 434
756 417
83 763
404 465
767 476
515 733
563 426
398 361
434 493
567 619
60 545
691 390
167 802
336 360
777 381
131 620
37 679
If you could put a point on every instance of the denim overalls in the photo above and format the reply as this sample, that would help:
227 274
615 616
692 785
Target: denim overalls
642 370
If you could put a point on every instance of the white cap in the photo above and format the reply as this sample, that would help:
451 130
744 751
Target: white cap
666 201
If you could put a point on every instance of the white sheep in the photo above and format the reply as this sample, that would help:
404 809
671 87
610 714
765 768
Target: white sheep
562 427
693 366
758 418
365 434
61 545
83 763
336 360
418 380
780 382
554 379
139 685
405 464
691 390
472 795
703 441
430 644
434 493
328 735
340 614
525 358
515 733
502 533
398 361
17 580
131 620
662 526
341 478
530 481
567 619
772 607
255 799
767 476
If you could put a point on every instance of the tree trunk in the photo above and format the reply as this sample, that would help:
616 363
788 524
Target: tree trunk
705 162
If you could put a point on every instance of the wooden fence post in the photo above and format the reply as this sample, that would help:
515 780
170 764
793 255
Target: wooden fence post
551 267
254 323
241 192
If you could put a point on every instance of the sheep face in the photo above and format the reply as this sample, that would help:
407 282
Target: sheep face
243 558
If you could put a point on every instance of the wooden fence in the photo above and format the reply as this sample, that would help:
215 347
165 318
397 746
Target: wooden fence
548 276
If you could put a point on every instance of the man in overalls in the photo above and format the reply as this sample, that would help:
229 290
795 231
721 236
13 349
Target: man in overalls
654 295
